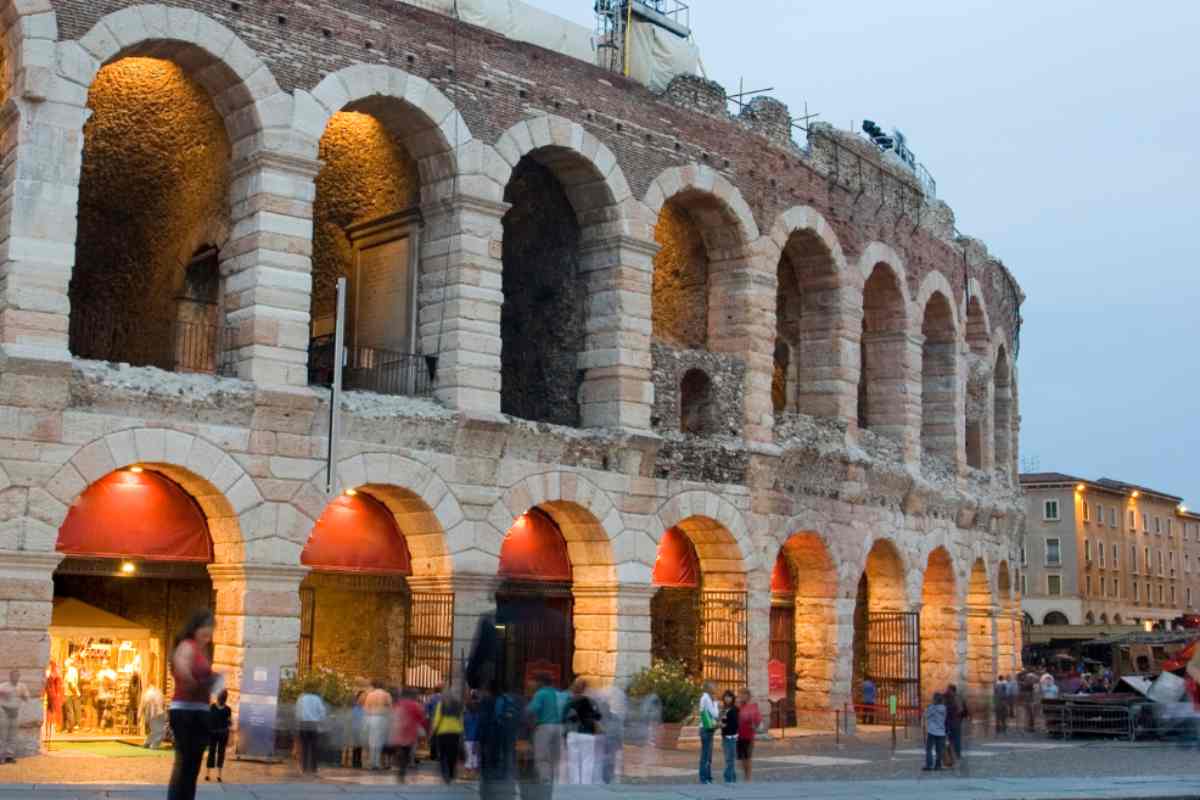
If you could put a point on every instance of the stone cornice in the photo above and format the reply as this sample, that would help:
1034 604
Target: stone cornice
273 159
24 560
234 573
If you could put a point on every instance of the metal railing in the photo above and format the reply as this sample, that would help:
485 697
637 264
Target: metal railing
169 344
373 369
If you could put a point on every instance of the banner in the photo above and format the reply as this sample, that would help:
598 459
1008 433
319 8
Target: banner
257 712
776 680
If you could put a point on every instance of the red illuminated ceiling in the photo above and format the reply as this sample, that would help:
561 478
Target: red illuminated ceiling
357 533
676 564
534 550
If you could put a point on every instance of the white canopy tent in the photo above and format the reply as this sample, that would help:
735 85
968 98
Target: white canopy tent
75 619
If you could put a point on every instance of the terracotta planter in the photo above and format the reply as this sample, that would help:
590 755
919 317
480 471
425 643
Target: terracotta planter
667 737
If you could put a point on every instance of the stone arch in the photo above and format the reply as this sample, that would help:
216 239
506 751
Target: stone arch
884 353
700 180
429 125
939 623
717 530
933 284
426 510
814 618
242 86
977 399
1003 400
881 587
25 23
981 630
584 513
809 313
940 389
225 492
977 330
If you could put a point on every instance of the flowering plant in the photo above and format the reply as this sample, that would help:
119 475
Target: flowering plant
677 691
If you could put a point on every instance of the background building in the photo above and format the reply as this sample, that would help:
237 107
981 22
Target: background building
1106 552
644 375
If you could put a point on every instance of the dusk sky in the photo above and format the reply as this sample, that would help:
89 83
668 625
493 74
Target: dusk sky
1062 134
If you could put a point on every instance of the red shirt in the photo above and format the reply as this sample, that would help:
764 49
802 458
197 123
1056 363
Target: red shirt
193 689
408 718
749 719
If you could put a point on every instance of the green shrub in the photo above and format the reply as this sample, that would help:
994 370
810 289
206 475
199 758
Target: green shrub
335 688
677 691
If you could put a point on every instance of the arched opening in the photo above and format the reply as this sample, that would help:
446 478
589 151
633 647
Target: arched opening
1116 619
364 553
1008 639
1089 618
981 623
1002 412
803 645
366 229
780 378
697 408
153 209
882 383
1104 619
699 614
939 624
556 611
542 322
978 394
939 380
886 637
805 308
699 245
137 546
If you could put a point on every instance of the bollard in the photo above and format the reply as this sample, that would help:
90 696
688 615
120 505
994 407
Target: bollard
893 737
837 727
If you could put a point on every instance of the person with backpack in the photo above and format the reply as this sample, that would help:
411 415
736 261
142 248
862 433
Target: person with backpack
709 714
446 732
499 723
545 714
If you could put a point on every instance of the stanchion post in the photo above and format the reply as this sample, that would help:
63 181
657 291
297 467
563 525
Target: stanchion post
893 736
837 727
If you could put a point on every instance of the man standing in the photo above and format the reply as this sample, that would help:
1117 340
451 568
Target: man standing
12 695
868 698
377 708
1000 704
546 717
310 716
956 716
935 733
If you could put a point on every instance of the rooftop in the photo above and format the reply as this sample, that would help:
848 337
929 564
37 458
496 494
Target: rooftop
1106 484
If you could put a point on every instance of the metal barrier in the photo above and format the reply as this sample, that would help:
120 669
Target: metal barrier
372 369
1091 716
169 344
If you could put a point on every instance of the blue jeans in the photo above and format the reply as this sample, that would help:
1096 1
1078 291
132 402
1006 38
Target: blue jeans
706 738
933 751
729 747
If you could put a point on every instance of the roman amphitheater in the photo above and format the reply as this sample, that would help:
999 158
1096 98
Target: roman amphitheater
652 374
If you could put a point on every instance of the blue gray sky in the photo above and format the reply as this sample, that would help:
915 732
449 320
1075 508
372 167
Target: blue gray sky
1064 134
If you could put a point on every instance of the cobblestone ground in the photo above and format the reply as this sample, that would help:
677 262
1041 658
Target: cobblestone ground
867 756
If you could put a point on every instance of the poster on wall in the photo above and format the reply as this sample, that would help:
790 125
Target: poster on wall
776 680
257 711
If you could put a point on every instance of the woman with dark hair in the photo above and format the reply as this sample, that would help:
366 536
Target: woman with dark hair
220 720
194 684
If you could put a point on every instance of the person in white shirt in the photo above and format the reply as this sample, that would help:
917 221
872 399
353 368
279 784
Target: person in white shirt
710 717
153 714
310 716
12 695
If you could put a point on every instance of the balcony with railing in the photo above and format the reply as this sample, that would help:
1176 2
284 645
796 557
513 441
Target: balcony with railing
373 369
170 344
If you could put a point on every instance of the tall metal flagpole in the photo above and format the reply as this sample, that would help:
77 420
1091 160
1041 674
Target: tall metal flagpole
335 391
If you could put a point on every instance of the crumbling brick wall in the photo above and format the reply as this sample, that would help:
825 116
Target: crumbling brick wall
726 374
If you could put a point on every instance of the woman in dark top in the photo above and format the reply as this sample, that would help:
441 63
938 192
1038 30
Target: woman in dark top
189 714
729 735
220 716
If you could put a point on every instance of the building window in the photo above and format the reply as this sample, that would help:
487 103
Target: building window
1050 511
1087 582
1137 596
1160 594
1100 552
1103 586
1172 595
1171 562
1160 564
1116 556
1158 524
1132 524
1149 596
1133 558
1023 584
1188 595
1054 585
1087 550
1145 522
1053 552
1187 564
1112 517
1024 560
1087 512
1170 527
1146 564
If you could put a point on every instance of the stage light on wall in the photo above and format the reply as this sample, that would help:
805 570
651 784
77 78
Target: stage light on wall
350 492
128 568
136 469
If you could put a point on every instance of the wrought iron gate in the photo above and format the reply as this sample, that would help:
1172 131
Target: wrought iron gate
894 657
429 662
783 649
723 638
308 607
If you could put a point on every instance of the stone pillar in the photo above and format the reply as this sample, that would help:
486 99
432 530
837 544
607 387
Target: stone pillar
617 391
894 388
42 146
981 653
828 361
942 405
758 645
474 596
741 322
26 602
461 292
258 620
842 689
267 266
818 645
598 630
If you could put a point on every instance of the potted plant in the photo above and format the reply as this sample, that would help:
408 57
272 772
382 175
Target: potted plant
677 693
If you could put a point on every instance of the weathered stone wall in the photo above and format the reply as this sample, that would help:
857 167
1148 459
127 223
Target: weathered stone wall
680 294
154 189
542 319
726 374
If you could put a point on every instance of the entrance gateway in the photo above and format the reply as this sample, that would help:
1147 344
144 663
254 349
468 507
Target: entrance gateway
894 658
